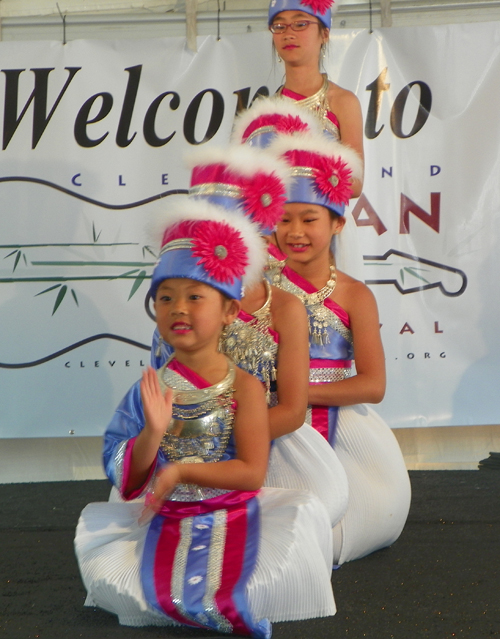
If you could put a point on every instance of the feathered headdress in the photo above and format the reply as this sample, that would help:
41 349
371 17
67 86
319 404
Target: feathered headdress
243 180
200 241
322 170
259 125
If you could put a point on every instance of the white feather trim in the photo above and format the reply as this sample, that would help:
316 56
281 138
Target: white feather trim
242 160
322 146
267 106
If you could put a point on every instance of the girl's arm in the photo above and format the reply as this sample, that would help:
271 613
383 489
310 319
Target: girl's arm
368 385
251 433
347 108
157 414
290 321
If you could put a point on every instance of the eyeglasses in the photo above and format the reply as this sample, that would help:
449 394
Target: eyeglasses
298 25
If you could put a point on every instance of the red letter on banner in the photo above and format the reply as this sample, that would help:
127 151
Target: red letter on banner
372 218
431 219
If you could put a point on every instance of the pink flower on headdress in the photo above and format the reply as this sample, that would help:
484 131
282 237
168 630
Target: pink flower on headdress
221 250
333 178
263 199
318 6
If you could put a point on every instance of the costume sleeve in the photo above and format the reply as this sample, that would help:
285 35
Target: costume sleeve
119 438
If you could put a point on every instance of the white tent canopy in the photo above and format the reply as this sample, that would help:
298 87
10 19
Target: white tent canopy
26 18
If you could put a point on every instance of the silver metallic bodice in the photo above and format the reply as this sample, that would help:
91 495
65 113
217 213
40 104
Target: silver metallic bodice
319 312
252 346
200 428
273 268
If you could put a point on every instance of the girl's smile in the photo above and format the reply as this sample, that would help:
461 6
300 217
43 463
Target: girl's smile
190 314
305 233
181 327
296 247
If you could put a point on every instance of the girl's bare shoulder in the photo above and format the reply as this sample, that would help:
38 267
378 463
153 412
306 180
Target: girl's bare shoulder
352 293
284 299
245 383
340 97
285 305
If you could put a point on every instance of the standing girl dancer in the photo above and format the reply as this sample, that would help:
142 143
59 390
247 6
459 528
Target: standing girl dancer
301 30
344 330
209 550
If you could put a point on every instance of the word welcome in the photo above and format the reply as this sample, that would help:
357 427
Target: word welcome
97 107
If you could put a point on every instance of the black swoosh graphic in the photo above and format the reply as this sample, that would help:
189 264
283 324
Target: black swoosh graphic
84 198
76 345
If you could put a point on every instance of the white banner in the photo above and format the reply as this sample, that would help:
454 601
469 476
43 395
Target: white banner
93 135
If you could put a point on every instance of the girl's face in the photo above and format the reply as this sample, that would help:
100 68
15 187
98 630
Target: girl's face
190 315
299 47
305 232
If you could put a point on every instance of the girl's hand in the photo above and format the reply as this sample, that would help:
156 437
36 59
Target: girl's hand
157 407
165 483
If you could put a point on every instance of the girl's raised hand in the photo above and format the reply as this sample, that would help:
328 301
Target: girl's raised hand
157 406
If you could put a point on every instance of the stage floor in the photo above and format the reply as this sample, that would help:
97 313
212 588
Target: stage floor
440 579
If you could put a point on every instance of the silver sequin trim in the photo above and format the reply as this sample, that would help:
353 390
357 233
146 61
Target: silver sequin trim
323 375
174 380
308 415
302 171
182 243
189 394
192 492
214 572
119 461
217 189
179 568
260 131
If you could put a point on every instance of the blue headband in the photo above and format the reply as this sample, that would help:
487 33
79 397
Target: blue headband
304 189
177 260
325 17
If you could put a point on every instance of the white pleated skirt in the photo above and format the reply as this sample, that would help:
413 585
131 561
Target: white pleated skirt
291 580
379 486
304 460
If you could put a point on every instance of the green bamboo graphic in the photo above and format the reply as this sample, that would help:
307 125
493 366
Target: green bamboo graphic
137 272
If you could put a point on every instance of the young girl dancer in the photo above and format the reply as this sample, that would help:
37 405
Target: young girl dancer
300 30
259 125
208 549
269 336
344 330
